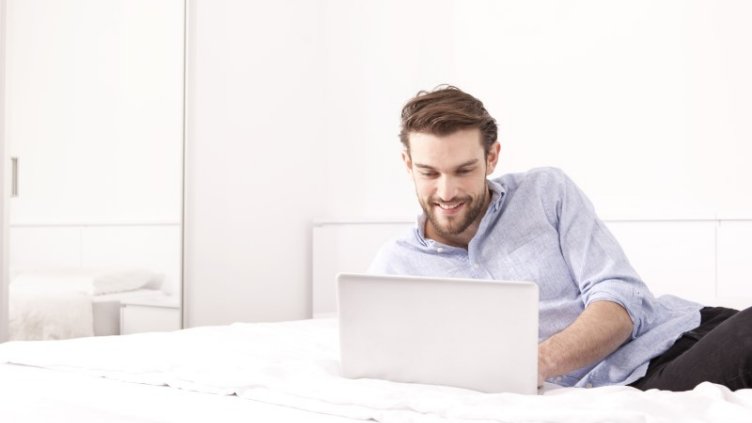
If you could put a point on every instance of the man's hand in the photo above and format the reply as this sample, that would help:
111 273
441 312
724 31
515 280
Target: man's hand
600 330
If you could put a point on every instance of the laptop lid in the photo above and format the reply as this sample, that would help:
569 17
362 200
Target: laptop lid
467 333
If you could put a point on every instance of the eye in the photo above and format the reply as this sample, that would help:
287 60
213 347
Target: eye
429 174
464 171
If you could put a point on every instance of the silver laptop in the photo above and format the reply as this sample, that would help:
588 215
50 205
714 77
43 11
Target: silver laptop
467 333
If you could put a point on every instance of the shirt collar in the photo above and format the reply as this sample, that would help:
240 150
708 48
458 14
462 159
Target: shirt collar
498 192
420 230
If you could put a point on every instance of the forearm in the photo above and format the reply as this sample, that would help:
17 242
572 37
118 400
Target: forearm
601 328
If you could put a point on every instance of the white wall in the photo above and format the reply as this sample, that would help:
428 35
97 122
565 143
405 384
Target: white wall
294 114
644 103
255 103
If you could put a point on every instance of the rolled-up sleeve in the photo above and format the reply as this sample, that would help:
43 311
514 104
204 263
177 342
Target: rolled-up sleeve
596 260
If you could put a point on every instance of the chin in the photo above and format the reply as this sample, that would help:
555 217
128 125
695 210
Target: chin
450 230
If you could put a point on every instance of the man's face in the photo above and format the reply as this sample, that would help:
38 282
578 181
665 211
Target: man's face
450 180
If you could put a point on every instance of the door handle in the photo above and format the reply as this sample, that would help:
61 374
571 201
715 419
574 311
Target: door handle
14 176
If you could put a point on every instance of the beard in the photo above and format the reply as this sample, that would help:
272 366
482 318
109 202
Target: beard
450 226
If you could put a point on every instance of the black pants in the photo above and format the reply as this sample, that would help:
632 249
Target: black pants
718 351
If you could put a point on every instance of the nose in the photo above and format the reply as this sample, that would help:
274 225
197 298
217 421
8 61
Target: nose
446 188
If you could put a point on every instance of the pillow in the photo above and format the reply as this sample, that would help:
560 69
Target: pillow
91 281
109 281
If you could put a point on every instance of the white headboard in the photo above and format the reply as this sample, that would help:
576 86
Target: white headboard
346 246
155 247
709 261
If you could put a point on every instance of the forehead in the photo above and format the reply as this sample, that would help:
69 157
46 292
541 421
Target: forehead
448 150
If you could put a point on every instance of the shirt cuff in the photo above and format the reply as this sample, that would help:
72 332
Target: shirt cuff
630 303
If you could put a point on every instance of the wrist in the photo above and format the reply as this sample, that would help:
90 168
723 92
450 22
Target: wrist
546 364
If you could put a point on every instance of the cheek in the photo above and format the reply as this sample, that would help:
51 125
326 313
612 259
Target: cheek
475 186
424 188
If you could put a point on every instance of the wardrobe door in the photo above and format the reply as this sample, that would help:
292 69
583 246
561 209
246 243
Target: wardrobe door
94 115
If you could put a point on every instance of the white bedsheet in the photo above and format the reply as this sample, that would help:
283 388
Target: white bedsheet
35 395
295 364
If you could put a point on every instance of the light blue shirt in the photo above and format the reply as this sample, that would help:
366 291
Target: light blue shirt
540 227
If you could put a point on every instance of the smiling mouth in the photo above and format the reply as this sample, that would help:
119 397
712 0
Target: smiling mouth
450 207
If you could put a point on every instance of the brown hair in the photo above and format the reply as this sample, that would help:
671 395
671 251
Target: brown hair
445 110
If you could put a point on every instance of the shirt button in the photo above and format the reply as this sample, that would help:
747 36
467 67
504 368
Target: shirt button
439 250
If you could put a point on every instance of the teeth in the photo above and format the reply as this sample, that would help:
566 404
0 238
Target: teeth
449 206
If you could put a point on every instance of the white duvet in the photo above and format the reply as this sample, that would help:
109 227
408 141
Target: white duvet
296 364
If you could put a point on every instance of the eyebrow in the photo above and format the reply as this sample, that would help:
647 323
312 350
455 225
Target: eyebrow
460 166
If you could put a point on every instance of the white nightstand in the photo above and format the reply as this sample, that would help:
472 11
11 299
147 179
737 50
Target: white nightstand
149 314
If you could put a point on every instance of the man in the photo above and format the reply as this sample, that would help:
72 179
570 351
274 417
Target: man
599 323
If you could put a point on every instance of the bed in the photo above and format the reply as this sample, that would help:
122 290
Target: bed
75 302
289 371
69 280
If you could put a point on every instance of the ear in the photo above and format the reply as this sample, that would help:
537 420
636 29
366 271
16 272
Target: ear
408 161
493 158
